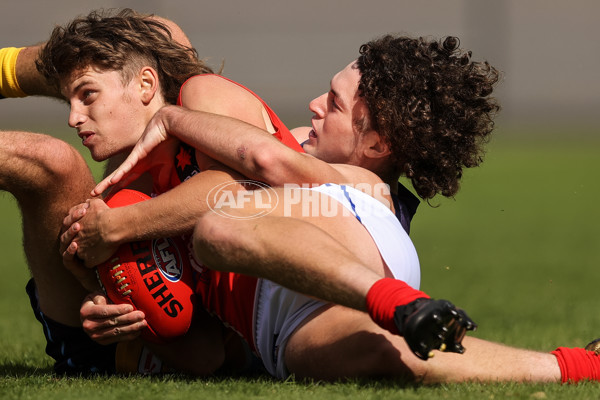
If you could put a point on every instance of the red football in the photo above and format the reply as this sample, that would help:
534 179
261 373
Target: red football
154 276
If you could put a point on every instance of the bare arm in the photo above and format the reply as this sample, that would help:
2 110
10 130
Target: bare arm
28 76
238 138
97 231
240 142
241 146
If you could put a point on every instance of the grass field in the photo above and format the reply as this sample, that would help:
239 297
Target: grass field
517 248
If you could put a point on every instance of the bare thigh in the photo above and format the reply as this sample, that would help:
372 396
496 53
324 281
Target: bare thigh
47 177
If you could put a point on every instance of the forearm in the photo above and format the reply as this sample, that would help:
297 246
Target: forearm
172 213
252 151
20 76
228 140
30 80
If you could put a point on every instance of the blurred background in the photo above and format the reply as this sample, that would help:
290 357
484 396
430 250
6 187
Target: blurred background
287 51
518 248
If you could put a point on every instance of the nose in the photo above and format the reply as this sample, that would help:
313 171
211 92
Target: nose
319 105
76 117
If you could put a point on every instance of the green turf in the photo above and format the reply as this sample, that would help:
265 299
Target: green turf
517 249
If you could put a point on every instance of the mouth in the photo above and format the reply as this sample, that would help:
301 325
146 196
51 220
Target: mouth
312 134
85 137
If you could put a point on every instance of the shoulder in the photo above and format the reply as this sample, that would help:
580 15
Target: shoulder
211 88
219 95
365 181
354 175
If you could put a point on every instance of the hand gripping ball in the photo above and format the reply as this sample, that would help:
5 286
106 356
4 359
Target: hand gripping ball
154 276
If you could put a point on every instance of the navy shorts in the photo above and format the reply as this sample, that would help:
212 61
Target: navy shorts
71 348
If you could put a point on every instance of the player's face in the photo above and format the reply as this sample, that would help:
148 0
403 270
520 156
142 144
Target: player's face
335 137
108 115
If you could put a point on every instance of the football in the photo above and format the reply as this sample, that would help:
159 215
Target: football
154 276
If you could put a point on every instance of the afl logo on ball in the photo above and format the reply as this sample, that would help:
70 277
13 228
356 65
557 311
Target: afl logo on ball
167 258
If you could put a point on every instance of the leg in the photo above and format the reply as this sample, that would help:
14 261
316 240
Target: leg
328 256
47 177
255 247
339 343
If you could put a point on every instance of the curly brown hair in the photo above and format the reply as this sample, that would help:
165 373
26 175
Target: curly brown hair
125 41
432 105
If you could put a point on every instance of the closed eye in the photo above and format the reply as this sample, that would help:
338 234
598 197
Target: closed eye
332 100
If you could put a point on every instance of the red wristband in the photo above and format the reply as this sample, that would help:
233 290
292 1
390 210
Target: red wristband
577 364
384 296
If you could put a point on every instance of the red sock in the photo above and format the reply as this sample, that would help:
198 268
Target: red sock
577 364
384 296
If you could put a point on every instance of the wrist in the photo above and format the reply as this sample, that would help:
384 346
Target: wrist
9 86
168 117
115 227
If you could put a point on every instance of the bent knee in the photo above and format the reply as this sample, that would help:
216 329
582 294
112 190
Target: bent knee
210 233
60 159
40 163
222 242
45 155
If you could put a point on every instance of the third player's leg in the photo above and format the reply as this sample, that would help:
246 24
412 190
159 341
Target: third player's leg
47 177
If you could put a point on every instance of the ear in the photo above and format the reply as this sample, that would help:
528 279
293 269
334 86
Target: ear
374 145
148 79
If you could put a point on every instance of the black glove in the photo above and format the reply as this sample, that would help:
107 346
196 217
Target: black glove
428 324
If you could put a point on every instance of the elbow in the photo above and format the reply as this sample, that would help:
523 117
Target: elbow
211 236
270 166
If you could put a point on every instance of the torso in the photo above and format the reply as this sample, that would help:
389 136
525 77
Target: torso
228 296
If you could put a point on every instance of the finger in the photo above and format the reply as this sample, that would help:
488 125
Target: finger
76 213
113 313
123 170
116 176
87 306
102 186
67 237
120 320
117 334
69 261
85 276
123 183
121 326
69 254
97 298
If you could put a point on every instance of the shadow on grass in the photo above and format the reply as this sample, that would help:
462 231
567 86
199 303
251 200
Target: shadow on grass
21 370
18 370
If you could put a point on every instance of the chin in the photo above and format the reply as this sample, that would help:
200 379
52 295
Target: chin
98 157
309 148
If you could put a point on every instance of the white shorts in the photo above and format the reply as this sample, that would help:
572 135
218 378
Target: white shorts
278 311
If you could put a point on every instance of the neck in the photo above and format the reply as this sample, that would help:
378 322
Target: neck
388 175
142 184
391 181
